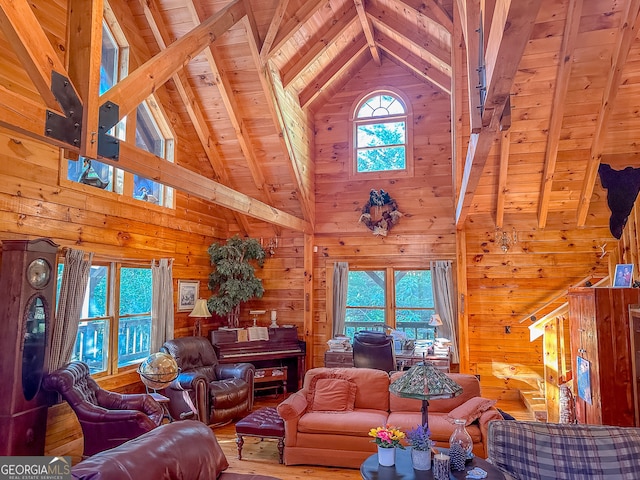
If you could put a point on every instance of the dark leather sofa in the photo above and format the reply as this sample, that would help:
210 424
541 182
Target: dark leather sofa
185 450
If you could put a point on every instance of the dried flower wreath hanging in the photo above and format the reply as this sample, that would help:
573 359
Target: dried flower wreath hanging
388 218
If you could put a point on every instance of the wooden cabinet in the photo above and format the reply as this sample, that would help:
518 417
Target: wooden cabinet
338 359
601 354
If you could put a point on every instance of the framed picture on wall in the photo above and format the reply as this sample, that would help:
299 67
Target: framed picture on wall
187 294
584 379
624 275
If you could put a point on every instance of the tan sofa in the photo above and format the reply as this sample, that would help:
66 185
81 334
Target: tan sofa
321 430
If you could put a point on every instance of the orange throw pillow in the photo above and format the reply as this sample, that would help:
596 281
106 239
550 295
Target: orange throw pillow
332 395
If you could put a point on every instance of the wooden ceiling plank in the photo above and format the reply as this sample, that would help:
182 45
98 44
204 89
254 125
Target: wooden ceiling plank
510 31
431 11
33 48
505 143
332 71
416 64
317 50
470 18
627 33
233 110
142 82
188 97
84 54
273 29
266 82
438 57
367 28
572 24
293 24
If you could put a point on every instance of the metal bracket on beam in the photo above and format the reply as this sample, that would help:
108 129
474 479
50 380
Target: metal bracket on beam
108 145
67 129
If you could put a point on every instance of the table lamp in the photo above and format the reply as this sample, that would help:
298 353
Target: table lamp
435 322
199 311
424 382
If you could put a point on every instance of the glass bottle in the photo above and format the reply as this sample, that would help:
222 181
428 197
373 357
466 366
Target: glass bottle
460 445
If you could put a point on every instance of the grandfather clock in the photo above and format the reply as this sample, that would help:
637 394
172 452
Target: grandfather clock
26 320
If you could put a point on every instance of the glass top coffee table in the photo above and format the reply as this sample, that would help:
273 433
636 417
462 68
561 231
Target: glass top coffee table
403 470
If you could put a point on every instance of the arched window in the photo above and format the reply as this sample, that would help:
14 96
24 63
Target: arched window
381 134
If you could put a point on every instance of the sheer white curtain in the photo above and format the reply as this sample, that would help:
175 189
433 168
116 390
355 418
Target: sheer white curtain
445 303
162 302
339 307
72 291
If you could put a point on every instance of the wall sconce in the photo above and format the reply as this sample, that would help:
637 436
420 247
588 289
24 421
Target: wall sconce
269 245
504 240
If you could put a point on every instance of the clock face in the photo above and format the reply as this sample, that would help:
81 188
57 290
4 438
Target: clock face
38 273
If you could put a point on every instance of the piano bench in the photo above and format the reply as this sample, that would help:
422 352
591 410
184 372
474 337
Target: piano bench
263 423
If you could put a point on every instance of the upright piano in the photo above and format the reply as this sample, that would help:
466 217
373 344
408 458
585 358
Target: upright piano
282 349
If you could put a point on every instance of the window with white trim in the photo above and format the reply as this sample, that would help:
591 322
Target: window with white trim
381 134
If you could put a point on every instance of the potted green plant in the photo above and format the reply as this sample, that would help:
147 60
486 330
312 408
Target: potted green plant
234 281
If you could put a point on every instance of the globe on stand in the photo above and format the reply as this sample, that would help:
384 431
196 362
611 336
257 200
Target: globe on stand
158 370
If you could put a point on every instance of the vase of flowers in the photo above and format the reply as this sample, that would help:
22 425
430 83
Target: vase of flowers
388 439
421 444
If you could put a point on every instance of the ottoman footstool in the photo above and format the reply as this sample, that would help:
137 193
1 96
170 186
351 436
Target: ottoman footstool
263 423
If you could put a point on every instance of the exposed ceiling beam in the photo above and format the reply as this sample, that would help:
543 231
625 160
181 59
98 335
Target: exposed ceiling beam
339 65
188 97
470 19
512 26
431 11
143 163
142 82
368 31
273 29
30 122
511 29
415 63
335 33
289 29
33 48
505 144
432 53
233 110
266 81
84 54
572 24
625 37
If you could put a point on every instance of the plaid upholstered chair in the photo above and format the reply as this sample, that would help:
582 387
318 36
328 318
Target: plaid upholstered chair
551 451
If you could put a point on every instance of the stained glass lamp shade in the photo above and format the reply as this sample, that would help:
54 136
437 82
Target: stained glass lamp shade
425 382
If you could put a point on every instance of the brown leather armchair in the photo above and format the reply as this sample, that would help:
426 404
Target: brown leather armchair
219 393
108 419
